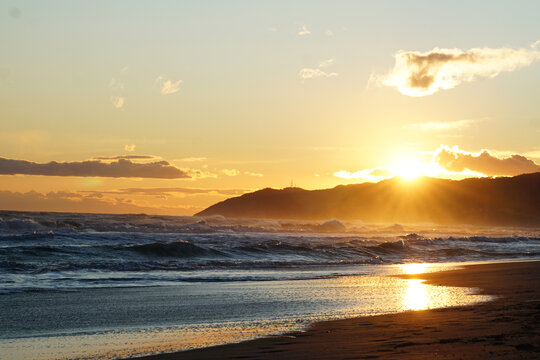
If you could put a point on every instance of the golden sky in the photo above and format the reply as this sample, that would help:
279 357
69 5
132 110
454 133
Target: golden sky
169 107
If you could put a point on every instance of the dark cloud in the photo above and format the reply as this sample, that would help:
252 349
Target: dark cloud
457 160
424 73
426 66
116 169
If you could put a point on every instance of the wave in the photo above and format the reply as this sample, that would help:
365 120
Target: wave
142 252
43 248
176 249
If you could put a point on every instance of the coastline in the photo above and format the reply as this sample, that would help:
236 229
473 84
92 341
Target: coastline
505 328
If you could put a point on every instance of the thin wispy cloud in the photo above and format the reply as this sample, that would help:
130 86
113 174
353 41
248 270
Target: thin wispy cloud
255 174
326 63
200 174
116 88
313 73
329 33
114 84
454 159
304 31
170 190
168 87
308 73
435 126
230 172
373 174
424 73
130 157
191 159
83 203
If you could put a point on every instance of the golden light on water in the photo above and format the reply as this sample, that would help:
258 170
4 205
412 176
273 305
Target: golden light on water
416 297
410 269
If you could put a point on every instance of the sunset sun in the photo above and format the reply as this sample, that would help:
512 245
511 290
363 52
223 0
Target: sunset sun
409 168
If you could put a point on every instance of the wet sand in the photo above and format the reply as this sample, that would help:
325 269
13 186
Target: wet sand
506 328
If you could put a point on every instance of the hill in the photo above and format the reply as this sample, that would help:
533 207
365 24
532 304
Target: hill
479 201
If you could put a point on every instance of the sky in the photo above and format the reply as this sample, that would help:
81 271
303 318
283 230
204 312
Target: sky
167 107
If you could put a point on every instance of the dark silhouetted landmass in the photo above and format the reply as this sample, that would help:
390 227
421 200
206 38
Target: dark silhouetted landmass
479 201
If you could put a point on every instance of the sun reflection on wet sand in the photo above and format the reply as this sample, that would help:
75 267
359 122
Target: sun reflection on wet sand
296 304
416 296
411 269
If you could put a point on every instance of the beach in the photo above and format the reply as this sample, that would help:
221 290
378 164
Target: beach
505 328
104 286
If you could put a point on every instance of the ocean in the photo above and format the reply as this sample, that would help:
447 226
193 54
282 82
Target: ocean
116 286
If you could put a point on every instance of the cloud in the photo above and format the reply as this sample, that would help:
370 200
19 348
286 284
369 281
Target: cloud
374 174
167 87
230 172
191 159
118 101
74 202
304 31
329 33
326 63
119 168
424 73
310 73
116 88
129 148
201 174
272 29
134 157
234 172
454 159
441 126
170 190
535 154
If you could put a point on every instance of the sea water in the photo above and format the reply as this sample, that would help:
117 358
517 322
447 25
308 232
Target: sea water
115 286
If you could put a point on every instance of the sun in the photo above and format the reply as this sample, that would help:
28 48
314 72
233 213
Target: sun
409 169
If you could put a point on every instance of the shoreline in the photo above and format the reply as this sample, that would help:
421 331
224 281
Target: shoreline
504 328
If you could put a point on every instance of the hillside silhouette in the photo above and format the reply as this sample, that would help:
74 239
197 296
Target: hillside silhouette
479 201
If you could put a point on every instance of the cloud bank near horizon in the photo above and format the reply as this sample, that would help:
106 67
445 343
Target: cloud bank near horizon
453 163
456 160
66 201
424 73
118 157
121 168
169 190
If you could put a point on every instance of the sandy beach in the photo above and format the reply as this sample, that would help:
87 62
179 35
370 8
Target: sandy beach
506 328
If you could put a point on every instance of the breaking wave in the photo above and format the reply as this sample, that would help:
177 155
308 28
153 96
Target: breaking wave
62 251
